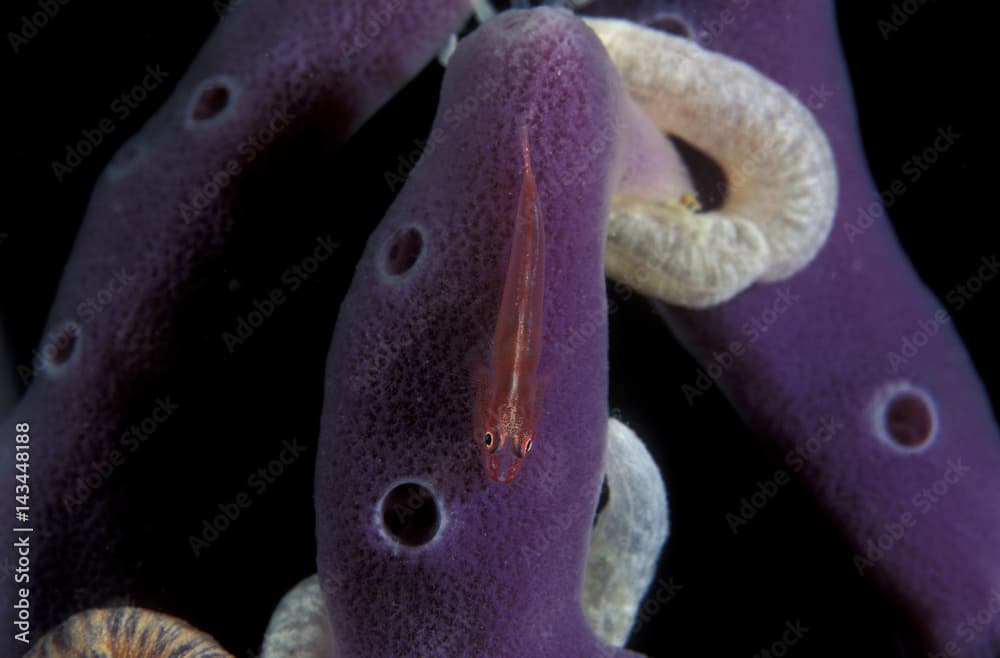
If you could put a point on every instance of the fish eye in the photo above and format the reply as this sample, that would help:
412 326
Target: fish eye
526 446
490 441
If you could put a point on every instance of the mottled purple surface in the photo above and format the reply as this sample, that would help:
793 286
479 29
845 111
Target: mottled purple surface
503 577
831 331
159 221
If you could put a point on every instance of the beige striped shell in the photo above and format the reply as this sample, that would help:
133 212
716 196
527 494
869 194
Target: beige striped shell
126 632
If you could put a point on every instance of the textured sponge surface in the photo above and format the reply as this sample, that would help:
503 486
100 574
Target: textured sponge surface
502 574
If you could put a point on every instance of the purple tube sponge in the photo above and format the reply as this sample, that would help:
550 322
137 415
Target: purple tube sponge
158 222
420 553
897 443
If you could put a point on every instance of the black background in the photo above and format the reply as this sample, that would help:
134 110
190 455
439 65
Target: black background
736 593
